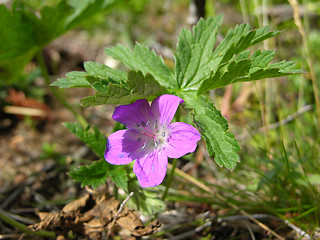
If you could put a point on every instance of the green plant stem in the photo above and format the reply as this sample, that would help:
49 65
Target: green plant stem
174 164
57 93
4 217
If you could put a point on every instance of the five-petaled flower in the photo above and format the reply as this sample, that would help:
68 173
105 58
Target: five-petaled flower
150 138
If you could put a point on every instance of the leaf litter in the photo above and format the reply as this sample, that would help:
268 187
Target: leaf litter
91 215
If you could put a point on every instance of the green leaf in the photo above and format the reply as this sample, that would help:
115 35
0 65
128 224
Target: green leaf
144 60
237 40
24 33
119 176
97 173
104 72
95 73
254 68
85 9
136 87
194 52
94 139
148 202
94 175
196 62
74 79
213 128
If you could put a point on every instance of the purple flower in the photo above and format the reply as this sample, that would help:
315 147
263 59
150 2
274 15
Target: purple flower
150 138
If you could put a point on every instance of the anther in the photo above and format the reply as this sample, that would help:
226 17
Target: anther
163 134
144 145
138 125
139 139
143 124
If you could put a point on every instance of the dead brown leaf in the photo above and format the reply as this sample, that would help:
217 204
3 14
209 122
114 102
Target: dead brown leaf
90 215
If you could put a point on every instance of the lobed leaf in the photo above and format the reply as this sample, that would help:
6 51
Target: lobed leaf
194 52
94 175
104 72
74 79
247 69
144 60
213 128
136 87
97 173
196 62
94 139
95 73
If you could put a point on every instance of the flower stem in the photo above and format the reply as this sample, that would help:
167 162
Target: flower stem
174 163
57 93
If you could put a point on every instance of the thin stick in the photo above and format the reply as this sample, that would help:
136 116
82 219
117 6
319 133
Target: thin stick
117 214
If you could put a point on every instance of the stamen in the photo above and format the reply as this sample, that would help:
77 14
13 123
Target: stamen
155 124
139 139
163 134
138 125
143 124
145 144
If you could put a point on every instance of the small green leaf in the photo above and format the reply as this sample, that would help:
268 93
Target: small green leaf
94 139
104 72
95 73
254 68
194 52
94 175
119 176
213 127
136 87
74 79
148 202
97 173
237 40
144 60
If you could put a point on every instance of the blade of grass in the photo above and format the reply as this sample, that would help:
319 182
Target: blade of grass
222 198
297 20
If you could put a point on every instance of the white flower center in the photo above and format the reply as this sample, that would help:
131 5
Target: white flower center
153 135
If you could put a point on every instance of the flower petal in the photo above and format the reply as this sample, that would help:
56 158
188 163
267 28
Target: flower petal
133 114
123 147
183 139
151 169
165 107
